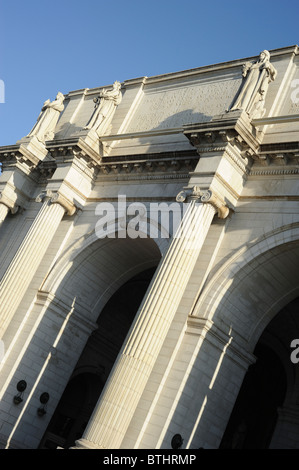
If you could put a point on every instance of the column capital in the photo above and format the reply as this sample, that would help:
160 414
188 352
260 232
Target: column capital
206 196
55 197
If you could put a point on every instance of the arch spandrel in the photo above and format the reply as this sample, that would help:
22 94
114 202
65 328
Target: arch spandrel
85 244
93 269
253 285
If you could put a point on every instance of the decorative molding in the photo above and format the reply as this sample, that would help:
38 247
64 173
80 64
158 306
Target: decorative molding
243 163
26 150
13 156
274 171
270 120
146 177
166 167
88 150
222 340
238 140
87 161
78 317
280 147
45 170
232 128
278 159
28 161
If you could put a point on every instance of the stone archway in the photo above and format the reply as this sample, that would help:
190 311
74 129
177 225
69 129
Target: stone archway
73 411
269 388
257 287
95 363
237 303
255 413
67 309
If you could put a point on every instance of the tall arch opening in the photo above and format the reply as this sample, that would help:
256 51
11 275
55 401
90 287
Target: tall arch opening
265 414
95 363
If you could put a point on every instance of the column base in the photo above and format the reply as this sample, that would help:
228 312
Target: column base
86 444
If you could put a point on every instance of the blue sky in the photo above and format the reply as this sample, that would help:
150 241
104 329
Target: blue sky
66 45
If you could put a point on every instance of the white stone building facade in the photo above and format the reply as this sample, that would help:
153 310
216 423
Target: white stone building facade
117 330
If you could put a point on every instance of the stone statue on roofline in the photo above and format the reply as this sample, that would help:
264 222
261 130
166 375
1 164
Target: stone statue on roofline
44 129
104 109
257 77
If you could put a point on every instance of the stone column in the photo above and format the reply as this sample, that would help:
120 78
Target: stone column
3 212
23 266
129 376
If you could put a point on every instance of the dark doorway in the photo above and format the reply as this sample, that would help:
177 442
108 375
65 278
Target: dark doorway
73 412
254 416
84 388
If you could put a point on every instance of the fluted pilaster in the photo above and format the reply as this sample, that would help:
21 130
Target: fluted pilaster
3 212
23 266
119 400
6 205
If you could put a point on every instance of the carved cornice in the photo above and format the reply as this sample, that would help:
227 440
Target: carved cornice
205 197
74 155
28 151
66 147
45 170
224 132
281 158
243 163
280 147
217 140
164 167
12 156
273 171
78 152
277 159
18 156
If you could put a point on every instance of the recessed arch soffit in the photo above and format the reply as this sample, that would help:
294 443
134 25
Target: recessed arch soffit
254 284
85 244
96 268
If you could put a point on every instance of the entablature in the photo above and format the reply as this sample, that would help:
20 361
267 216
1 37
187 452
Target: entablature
280 158
166 165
